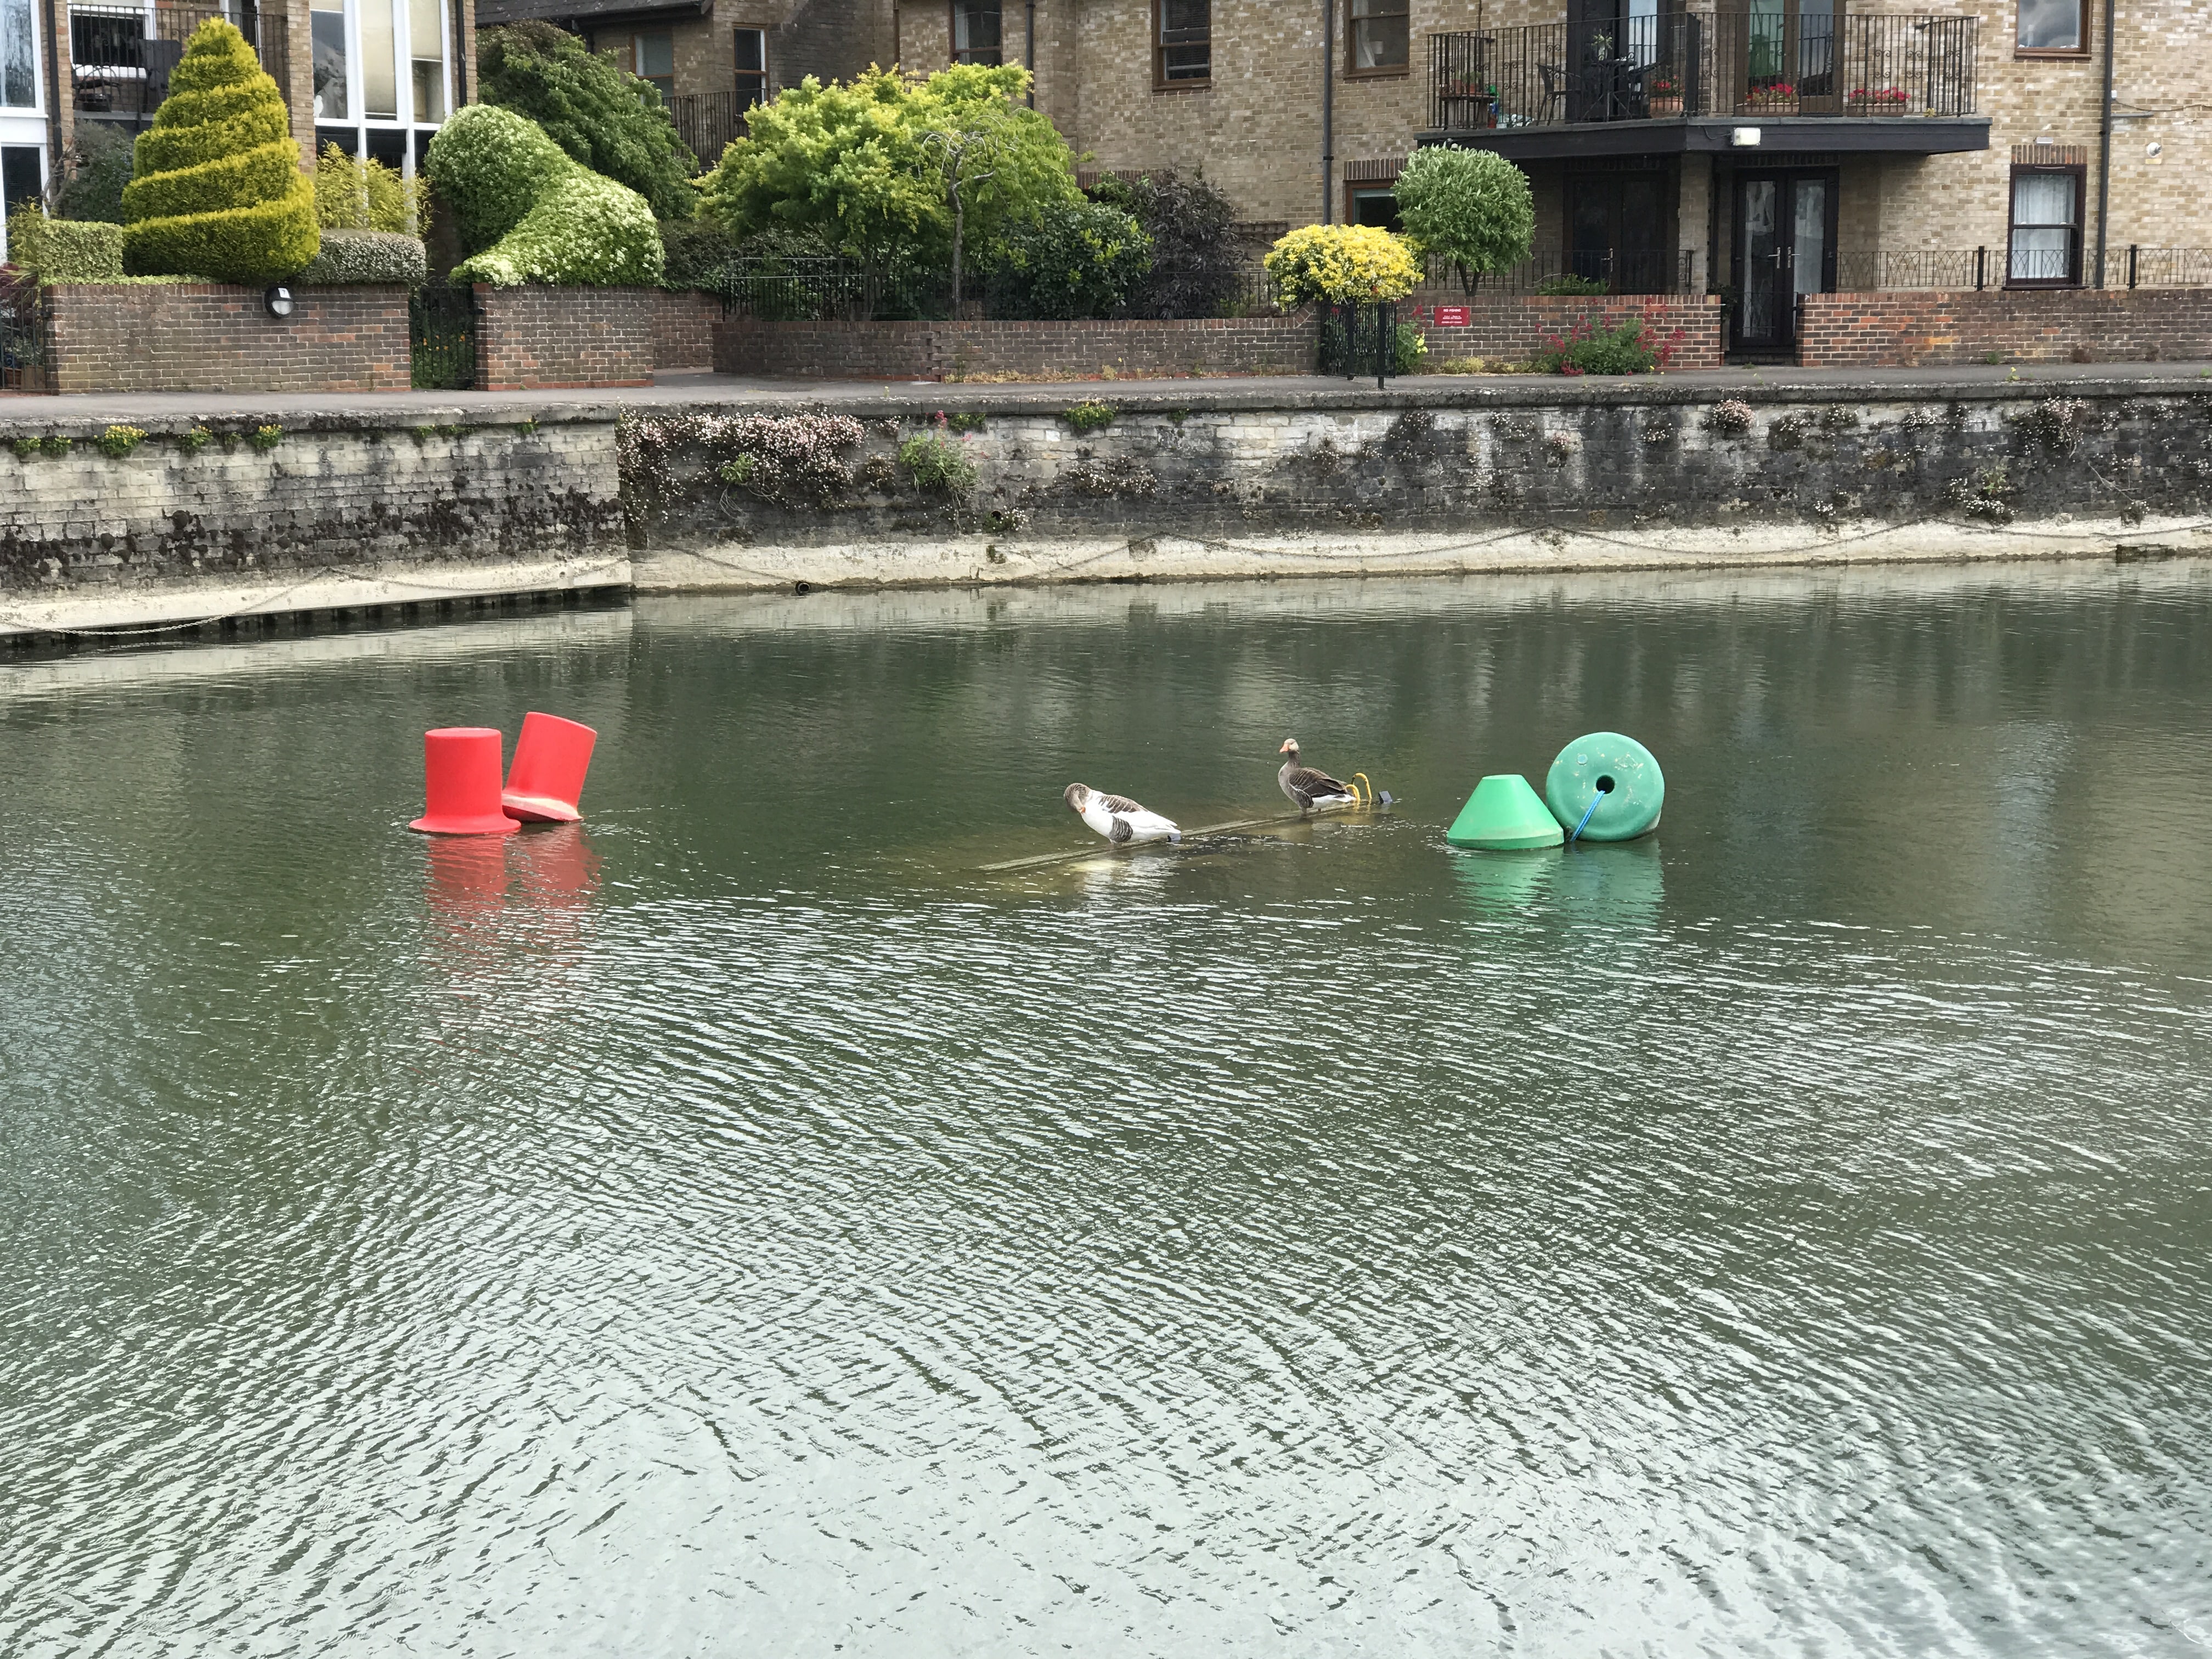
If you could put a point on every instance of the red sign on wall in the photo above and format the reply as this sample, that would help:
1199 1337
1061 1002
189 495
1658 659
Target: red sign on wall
1454 316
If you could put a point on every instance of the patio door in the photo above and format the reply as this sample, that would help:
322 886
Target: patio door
1781 56
1785 245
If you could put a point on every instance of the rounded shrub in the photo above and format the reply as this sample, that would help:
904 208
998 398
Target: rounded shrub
583 229
491 166
1343 263
1074 260
216 188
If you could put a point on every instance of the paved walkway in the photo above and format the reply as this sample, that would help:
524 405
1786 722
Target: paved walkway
699 387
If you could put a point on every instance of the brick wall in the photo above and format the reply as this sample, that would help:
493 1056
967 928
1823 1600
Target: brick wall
915 351
1513 326
536 337
683 329
2029 324
213 337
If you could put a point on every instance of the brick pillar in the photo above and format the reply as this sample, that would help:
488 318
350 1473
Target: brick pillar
65 104
294 17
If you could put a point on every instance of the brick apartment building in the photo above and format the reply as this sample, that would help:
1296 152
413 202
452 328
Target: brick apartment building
1769 149
375 77
715 59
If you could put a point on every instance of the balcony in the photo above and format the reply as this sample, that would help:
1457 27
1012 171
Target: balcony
121 57
1691 82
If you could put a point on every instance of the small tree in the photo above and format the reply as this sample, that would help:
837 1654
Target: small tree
857 164
1197 265
609 120
1343 264
217 190
1471 206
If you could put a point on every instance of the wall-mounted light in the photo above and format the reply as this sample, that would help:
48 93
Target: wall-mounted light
1743 137
2154 149
278 301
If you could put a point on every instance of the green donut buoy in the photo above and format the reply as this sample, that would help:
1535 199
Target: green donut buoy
1620 775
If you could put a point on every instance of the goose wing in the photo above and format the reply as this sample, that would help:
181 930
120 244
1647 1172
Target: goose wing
1119 804
1304 780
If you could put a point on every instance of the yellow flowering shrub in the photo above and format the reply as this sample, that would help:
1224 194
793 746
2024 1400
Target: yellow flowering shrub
1342 263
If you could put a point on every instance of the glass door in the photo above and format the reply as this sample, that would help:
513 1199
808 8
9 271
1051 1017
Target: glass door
1785 246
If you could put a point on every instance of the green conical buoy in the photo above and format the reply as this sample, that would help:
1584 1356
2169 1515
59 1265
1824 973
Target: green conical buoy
1503 814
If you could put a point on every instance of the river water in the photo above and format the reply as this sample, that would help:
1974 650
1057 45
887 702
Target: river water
742 1225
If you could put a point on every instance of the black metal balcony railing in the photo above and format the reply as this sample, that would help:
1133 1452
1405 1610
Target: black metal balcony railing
709 122
1591 271
1728 63
121 57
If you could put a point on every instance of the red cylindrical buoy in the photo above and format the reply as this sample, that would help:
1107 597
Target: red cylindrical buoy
547 780
460 773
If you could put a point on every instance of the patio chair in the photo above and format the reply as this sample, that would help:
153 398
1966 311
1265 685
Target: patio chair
1554 77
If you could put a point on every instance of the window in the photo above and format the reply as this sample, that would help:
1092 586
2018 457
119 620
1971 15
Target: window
1182 43
2050 26
653 58
752 68
2046 228
426 50
20 182
379 59
976 32
18 57
1376 29
1371 204
327 28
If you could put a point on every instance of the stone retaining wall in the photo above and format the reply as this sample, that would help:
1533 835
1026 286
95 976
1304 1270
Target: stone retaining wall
1132 349
535 336
214 337
1908 329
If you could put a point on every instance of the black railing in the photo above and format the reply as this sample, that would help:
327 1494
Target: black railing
121 57
441 336
1592 271
776 288
1728 63
708 122
23 342
2168 267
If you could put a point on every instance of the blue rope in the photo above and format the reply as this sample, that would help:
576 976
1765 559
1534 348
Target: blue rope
1576 836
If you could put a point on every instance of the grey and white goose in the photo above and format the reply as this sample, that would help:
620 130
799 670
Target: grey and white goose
1310 791
1117 818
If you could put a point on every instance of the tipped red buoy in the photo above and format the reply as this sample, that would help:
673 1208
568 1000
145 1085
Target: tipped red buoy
460 775
551 758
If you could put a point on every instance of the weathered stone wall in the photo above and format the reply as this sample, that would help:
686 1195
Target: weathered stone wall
1651 460
1912 329
536 337
213 337
351 496
954 351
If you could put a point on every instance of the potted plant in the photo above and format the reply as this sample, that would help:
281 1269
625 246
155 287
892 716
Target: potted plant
1878 100
1776 98
1666 95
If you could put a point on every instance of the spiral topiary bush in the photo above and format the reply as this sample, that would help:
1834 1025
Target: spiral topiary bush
216 187
528 214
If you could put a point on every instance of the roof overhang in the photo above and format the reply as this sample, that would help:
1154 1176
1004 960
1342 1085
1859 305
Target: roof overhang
577 14
1923 135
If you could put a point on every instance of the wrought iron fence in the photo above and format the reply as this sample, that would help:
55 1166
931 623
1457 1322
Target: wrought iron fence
442 337
1583 271
22 342
1359 340
1961 268
121 57
1729 64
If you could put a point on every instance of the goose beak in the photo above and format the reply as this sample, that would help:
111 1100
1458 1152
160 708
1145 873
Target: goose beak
1290 746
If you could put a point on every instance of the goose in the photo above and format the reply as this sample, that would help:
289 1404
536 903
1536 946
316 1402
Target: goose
1118 818
1309 790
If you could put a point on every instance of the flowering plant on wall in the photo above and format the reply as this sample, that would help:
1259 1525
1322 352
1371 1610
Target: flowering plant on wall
1882 97
1779 92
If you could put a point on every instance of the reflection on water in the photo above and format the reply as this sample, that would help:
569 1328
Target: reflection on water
741 1224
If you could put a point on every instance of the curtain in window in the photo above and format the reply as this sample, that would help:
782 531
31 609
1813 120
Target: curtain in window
2043 227
2050 25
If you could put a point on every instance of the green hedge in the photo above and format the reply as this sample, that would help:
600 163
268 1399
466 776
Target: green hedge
365 256
65 250
528 214
491 166
218 188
